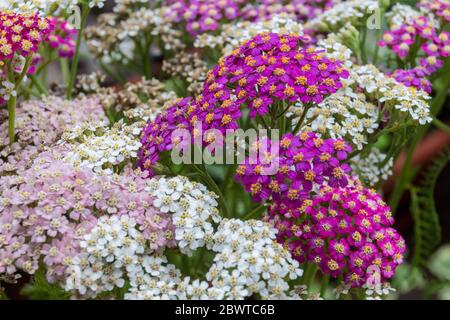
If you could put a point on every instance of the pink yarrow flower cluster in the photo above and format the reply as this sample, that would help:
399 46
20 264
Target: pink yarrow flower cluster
46 211
346 232
433 44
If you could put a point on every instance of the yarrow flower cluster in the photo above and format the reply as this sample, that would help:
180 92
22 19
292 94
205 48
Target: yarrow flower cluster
416 34
201 16
300 10
232 35
193 208
346 232
102 148
441 8
394 95
272 67
43 7
47 210
116 36
373 167
112 247
344 12
304 162
345 115
248 262
62 38
40 124
21 34
188 67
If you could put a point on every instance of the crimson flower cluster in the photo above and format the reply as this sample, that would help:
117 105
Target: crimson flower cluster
62 38
21 34
272 67
434 44
345 231
303 163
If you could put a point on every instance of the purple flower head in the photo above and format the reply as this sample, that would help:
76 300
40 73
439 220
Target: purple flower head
272 67
348 233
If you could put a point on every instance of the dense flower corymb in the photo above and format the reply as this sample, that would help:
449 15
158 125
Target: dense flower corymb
345 231
272 67
21 34
304 162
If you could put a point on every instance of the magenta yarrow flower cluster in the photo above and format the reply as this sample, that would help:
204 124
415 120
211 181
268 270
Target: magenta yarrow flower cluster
202 16
434 45
21 34
262 72
46 211
194 116
345 231
303 163
272 67
62 38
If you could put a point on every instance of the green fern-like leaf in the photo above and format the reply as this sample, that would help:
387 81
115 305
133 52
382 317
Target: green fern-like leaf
427 230
41 289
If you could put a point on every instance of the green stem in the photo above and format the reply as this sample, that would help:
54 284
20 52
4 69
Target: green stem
12 118
324 285
12 102
363 45
39 85
441 125
64 64
405 175
308 276
300 122
74 69
254 213
212 184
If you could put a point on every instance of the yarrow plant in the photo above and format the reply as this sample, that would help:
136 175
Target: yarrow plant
219 149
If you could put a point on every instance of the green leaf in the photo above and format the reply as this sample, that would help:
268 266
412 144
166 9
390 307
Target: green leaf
439 263
41 289
427 230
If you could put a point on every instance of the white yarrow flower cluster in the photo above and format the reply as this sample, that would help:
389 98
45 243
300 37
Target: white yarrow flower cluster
402 13
352 11
344 115
232 35
373 167
101 148
110 253
393 94
194 210
250 261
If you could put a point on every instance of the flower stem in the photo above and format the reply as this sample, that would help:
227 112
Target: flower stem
441 125
309 274
212 184
74 68
405 175
12 118
324 285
